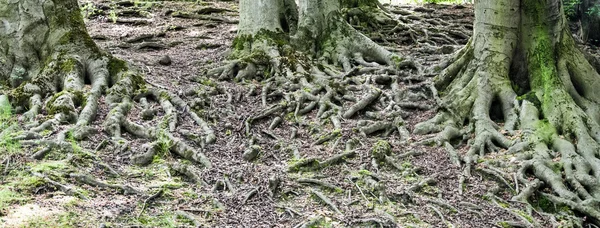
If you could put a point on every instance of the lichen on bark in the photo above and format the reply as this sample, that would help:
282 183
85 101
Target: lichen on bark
54 74
522 61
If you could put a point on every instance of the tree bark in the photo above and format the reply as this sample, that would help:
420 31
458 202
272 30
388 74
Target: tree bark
299 61
257 15
524 47
47 54
315 28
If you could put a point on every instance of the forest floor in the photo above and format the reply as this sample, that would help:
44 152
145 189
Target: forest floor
238 193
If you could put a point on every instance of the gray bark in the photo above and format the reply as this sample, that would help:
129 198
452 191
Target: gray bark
559 107
32 30
257 15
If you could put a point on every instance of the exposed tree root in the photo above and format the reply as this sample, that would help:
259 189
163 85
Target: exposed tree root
319 183
402 27
57 82
325 200
552 129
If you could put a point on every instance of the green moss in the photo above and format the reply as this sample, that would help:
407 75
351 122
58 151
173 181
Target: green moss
45 167
65 17
68 65
115 66
541 58
381 149
525 215
397 60
28 183
545 131
557 167
77 96
365 172
9 197
66 220
531 97
504 225
207 82
18 96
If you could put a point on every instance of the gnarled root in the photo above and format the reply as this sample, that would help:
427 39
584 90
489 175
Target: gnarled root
73 106
471 90
557 140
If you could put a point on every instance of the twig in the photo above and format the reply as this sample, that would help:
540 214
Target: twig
249 195
149 200
317 182
360 190
326 200
437 212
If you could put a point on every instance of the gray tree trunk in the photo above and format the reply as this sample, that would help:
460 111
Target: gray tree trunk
315 28
257 15
525 46
47 54
32 30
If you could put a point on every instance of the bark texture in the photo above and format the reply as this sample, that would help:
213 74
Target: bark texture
54 74
316 28
311 58
523 70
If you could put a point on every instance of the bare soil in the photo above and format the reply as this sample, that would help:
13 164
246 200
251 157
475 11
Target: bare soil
237 193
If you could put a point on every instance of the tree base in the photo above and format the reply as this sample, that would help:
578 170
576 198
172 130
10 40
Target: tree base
67 78
553 137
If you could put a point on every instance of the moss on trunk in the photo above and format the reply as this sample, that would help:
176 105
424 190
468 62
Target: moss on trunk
531 40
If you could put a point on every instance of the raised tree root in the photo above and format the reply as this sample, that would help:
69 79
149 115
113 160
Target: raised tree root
64 188
149 200
325 200
87 179
189 217
313 164
187 171
318 182
249 195
556 117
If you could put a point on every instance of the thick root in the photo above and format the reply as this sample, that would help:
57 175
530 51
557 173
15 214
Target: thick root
550 132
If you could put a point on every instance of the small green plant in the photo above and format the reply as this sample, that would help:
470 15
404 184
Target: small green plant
9 126
8 197
146 5
570 7
89 10
594 10
112 14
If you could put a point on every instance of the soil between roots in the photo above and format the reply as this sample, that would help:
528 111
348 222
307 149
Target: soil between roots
195 45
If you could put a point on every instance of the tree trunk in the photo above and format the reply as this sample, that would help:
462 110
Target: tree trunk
590 21
524 47
33 31
316 28
47 55
257 15
298 57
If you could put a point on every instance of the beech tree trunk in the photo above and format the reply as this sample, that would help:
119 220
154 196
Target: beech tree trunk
314 27
257 15
46 60
522 62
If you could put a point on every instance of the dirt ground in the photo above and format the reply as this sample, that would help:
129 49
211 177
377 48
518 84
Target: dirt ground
239 193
